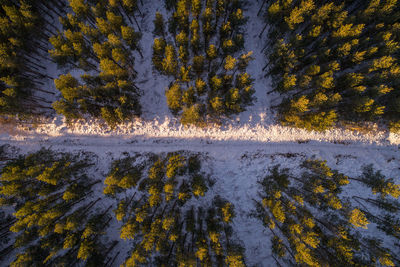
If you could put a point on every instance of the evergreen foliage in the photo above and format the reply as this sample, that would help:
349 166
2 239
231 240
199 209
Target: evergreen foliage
24 31
313 225
98 41
165 217
168 215
334 61
54 222
210 78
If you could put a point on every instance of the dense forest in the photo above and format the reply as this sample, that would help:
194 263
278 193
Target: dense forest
161 201
98 42
53 221
313 224
334 61
25 30
205 59
166 216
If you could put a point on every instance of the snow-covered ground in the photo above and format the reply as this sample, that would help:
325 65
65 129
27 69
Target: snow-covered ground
240 151
170 128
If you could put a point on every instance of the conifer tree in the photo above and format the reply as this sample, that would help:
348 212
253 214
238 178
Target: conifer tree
207 42
314 49
168 228
99 39
312 225
24 29
54 220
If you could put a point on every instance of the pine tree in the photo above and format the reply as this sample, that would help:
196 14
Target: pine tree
97 38
159 28
312 224
193 60
174 97
169 63
167 227
315 47
47 190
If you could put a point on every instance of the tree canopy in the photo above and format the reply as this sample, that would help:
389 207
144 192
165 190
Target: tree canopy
98 40
205 59
334 62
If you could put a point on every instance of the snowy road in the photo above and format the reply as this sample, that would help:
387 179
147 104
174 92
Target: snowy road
193 144
168 135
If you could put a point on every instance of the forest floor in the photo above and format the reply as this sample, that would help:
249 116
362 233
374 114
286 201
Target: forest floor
239 152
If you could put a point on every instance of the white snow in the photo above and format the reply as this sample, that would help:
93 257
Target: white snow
168 127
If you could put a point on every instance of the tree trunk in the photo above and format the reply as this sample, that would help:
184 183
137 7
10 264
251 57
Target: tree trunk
259 11
6 251
109 250
35 64
170 252
45 91
261 33
113 259
40 99
277 262
126 15
137 23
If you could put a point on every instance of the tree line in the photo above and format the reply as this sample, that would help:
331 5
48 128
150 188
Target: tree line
96 47
209 80
333 62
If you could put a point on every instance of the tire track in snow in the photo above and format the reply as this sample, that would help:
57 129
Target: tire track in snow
193 144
